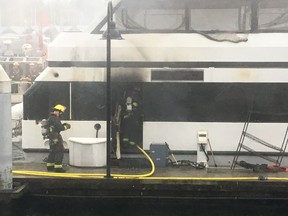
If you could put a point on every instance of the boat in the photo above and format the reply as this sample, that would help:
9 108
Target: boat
199 67
220 84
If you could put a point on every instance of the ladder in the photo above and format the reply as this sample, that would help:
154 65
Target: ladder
280 150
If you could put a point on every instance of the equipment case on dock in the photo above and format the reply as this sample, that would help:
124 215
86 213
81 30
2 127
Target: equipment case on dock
159 154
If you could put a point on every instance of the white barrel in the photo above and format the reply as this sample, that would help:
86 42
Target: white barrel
87 152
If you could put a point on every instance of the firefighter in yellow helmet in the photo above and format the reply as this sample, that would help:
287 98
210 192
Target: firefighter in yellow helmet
131 129
55 157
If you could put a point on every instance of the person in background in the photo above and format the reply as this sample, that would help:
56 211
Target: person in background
39 67
55 157
15 75
30 74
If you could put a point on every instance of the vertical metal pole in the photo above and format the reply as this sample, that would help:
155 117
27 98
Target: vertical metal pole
187 17
108 89
254 15
5 132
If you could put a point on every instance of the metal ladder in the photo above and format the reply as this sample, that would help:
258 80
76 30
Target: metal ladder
250 136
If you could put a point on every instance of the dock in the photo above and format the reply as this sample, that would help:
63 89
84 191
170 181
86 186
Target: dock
172 182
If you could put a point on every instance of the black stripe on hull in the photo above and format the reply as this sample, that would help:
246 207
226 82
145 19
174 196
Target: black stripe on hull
165 102
215 102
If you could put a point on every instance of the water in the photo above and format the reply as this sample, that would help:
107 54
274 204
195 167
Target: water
36 206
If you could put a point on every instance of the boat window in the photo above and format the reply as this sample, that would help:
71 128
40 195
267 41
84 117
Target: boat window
42 96
184 16
88 101
153 19
213 102
274 19
185 75
203 16
217 20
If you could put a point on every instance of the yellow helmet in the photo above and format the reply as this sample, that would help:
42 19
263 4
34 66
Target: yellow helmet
59 107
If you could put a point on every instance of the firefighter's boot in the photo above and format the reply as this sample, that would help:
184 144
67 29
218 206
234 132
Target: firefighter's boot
59 169
50 167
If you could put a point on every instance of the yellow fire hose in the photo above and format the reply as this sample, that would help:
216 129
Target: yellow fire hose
88 175
146 176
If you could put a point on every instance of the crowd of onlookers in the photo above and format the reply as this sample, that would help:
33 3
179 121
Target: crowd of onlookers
23 74
18 74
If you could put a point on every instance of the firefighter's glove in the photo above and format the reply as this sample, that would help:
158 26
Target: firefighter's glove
67 126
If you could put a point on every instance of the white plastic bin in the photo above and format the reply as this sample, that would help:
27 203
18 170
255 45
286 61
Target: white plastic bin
87 152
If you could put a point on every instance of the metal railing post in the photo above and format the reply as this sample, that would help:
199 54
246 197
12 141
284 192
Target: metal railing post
6 181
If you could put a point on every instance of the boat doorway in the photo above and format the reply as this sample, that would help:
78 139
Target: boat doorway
127 110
